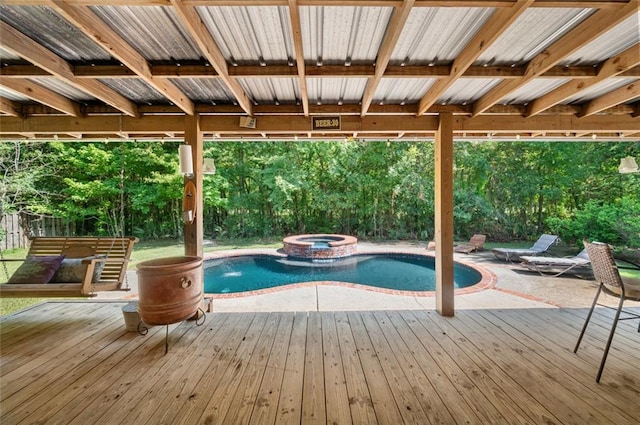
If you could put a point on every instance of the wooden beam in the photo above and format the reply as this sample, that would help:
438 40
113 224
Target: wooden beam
598 23
194 231
611 67
42 95
621 95
198 30
499 22
23 46
296 31
273 124
24 70
94 28
9 107
394 29
444 215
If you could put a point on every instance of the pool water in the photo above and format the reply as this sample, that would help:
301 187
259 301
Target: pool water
390 271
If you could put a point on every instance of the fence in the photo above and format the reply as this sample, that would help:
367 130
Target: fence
17 228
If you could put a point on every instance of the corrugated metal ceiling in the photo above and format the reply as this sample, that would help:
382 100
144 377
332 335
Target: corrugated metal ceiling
332 36
52 31
535 30
432 36
622 37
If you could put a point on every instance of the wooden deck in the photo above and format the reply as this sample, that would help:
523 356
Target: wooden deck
74 363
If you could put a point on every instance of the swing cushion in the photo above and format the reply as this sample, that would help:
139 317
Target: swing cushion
37 269
72 270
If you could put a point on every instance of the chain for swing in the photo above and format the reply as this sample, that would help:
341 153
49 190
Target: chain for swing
121 214
4 264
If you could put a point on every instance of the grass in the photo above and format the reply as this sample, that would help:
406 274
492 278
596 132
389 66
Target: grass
142 251
148 250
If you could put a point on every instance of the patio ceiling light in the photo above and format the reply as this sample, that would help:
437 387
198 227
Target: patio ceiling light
209 166
628 165
186 160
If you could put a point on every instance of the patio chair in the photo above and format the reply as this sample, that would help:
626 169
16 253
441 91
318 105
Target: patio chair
476 243
560 265
607 275
513 254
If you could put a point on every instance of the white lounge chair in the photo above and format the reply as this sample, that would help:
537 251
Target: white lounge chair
542 245
557 265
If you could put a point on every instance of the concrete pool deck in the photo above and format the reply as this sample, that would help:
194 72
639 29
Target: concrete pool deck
515 287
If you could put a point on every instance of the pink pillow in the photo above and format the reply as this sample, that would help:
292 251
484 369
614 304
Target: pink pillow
37 269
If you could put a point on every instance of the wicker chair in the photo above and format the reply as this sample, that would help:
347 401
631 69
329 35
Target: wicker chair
607 275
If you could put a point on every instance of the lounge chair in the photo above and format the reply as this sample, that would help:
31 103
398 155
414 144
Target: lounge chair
542 245
476 243
608 277
557 265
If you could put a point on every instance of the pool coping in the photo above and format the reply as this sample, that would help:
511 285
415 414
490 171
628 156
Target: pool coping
488 279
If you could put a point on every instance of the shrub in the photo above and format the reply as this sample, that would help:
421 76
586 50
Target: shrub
617 223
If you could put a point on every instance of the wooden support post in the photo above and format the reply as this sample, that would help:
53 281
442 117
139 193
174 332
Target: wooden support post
444 215
194 231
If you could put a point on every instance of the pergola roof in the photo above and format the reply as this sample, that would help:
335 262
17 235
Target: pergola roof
85 69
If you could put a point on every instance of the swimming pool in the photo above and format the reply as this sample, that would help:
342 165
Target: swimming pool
401 272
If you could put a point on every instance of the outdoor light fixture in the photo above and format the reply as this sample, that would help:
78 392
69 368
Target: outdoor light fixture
186 160
209 166
628 165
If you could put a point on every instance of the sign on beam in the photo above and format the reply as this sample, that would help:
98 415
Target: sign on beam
325 123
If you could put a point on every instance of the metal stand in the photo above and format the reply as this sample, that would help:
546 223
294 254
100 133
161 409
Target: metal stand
143 330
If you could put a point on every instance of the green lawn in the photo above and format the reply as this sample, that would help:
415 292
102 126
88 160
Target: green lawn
142 251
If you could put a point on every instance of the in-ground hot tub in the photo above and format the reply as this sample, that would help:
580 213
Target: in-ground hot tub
320 246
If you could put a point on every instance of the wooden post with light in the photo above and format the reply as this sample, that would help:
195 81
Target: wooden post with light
192 199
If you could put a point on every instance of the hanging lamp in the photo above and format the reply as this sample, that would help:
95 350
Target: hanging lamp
186 160
628 165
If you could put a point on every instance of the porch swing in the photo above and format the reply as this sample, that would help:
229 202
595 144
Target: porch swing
62 267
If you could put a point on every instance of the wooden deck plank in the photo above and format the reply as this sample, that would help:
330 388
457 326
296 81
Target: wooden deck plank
336 396
60 321
85 381
33 359
570 325
387 411
54 364
215 391
360 402
20 326
510 362
289 409
447 362
430 398
133 401
600 326
559 341
313 391
247 387
266 402
481 366
509 390
416 342
588 407
406 399
581 383
224 337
